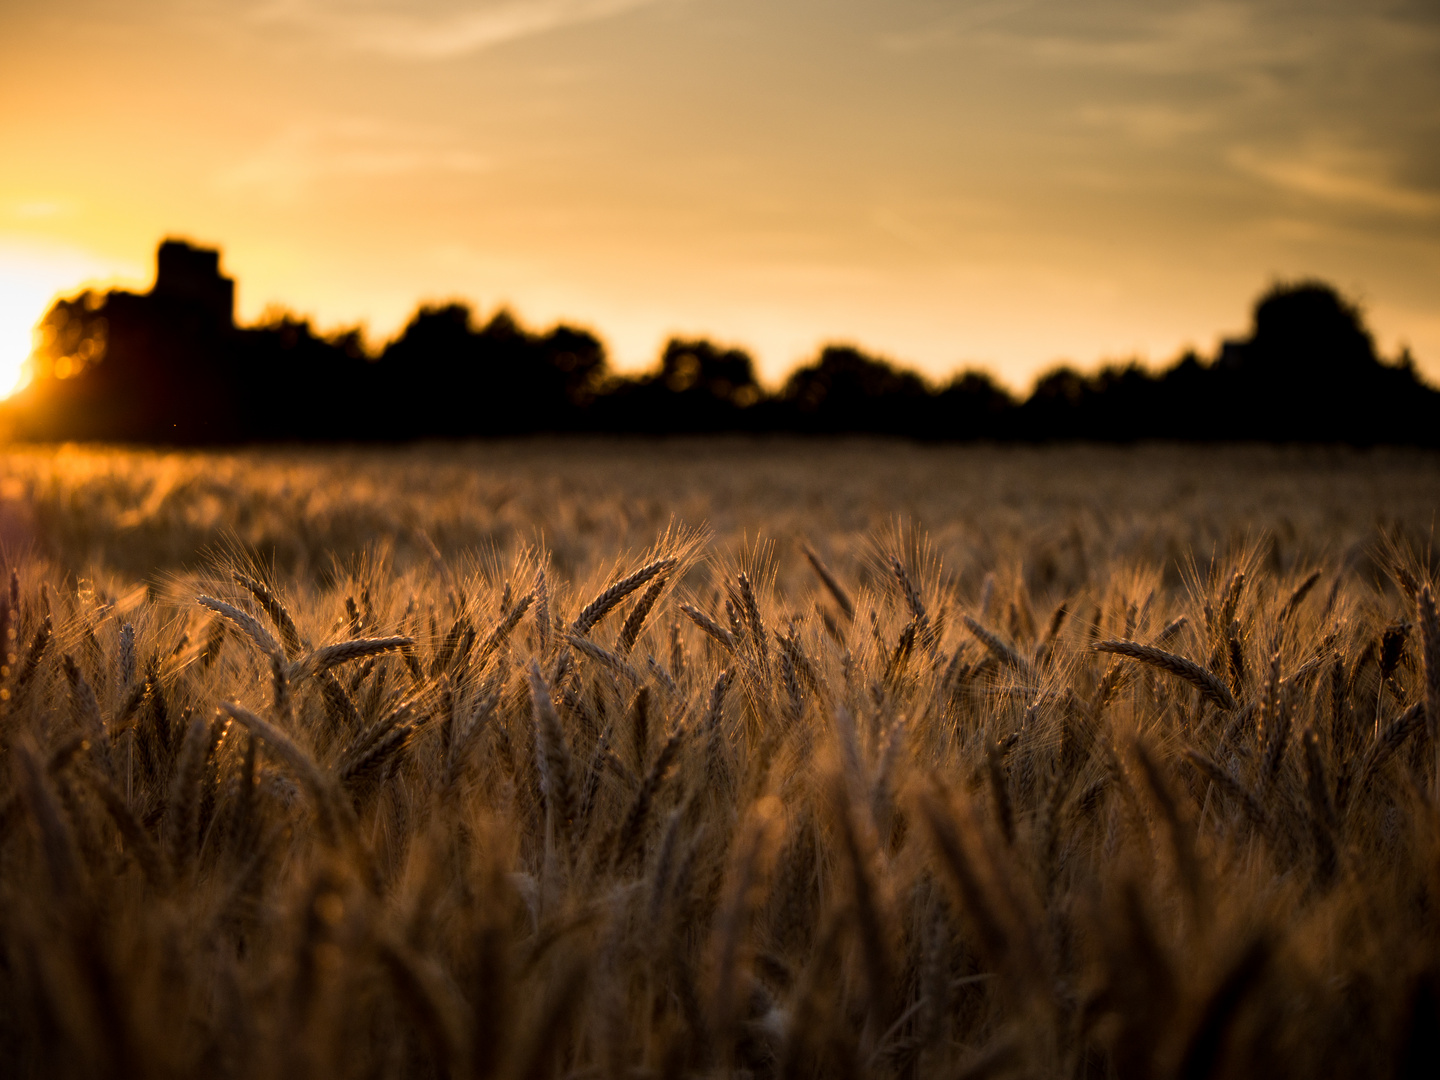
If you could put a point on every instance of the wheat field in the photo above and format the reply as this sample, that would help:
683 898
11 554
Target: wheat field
719 758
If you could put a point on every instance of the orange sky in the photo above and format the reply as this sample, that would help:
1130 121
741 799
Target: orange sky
997 184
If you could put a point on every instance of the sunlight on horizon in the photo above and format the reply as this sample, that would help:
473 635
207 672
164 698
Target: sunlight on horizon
21 308
31 279
1003 185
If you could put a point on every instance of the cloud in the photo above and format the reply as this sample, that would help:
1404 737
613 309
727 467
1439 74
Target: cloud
1189 38
1244 41
312 151
1118 35
1338 176
403 32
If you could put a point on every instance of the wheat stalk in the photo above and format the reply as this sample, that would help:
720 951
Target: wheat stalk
1429 621
831 583
632 830
553 754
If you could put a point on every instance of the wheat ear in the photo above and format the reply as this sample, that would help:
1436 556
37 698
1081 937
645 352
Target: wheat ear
246 622
635 621
598 608
342 652
1197 676
710 626
604 656
999 648
267 599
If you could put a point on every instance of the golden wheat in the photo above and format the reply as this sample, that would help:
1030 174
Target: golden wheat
956 807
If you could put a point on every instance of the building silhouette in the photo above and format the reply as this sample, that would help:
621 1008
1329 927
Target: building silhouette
186 274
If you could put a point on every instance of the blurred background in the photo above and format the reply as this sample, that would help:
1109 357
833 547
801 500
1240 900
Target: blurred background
996 185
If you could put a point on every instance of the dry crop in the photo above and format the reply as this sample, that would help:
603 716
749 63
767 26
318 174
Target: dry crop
1059 788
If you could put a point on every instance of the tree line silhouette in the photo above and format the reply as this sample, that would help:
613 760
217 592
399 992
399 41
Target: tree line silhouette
172 366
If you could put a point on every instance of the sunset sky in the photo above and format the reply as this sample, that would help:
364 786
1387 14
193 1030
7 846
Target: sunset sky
996 184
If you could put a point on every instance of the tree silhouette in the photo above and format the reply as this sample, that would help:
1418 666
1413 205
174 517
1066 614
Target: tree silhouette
847 391
698 386
298 384
434 375
1309 370
170 365
443 377
1304 331
973 406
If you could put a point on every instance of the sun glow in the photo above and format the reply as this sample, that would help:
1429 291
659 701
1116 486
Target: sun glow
30 279
22 304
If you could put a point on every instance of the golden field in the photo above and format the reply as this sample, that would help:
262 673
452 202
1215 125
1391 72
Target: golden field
719 757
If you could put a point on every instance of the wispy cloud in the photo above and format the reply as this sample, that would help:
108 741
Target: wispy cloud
1189 38
1197 35
1335 175
1185 37
313 151
405 31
